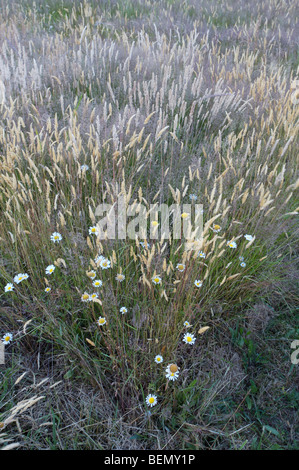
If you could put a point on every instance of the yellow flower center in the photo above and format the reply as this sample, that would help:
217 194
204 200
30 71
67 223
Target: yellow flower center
85 296
216 227
189 339
184 215
173 368
7 338
101 321
157 280
151 400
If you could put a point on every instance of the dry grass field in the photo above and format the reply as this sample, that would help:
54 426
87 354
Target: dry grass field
156 102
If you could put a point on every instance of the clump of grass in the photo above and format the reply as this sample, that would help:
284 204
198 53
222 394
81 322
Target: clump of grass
89 115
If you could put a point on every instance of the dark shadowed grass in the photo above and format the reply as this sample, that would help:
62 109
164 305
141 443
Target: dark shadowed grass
239 391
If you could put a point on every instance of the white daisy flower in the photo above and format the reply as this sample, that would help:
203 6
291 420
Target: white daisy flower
216 228
158 359
84 167
232 244
186 324
192 197
97 283
101 321
91 274
198 283
20 277
201 254
85 297
248 237
123 310
157 280
94 296
98 259
145 245
9 287
47 289
50 269
241 258
172 372
93 230
151 400
56 237
189 338
7 338
120 277
243 265
105 263
180 267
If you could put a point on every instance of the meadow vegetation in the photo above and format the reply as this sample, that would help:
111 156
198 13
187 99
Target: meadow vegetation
154 102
